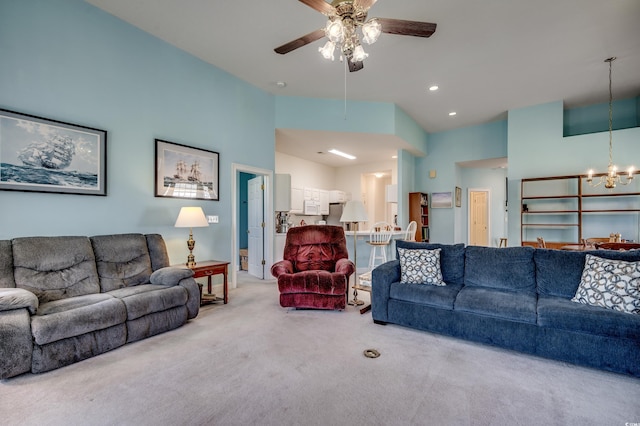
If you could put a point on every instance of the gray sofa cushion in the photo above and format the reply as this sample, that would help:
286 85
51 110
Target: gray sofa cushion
122 260
496 303
157 251
55 268
424 294
146 299
18 298
510 268
79 315
6 265
558 272
451 258
559 312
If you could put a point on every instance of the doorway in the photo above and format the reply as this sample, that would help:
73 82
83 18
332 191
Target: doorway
479 214
237 206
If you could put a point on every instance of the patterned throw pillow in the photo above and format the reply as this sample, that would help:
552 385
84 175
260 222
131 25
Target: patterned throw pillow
420 266
613 284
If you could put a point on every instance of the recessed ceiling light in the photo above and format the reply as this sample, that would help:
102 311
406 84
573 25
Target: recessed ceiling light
281 84
342 154
378 175
433 88
394 156
452 113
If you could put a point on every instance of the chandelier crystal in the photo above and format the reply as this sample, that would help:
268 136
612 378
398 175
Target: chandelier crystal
612 178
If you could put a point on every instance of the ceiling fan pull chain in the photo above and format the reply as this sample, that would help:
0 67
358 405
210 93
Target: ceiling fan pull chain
345 90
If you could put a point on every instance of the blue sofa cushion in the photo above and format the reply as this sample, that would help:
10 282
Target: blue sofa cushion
451 258
558 272
428 295
510 268
561 313
520 307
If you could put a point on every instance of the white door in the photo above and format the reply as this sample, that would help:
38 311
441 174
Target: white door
479 218
256 227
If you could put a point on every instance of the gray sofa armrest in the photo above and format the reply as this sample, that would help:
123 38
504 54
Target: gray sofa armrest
18 298
193 301
170 275
381 279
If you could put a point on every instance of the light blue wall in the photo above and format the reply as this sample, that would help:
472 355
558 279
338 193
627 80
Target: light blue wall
445 150
69 61
360 117
494 180
537 148
595 118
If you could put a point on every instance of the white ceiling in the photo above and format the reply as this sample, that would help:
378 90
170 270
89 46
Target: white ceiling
486 56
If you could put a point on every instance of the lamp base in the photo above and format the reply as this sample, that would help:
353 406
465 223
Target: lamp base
355 302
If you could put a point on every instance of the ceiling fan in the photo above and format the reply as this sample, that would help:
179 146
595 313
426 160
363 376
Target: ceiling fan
344 18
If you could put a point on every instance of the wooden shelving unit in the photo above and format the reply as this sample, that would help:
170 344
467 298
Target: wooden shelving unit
557 206
419 212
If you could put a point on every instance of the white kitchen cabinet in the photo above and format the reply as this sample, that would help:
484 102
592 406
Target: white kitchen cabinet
324 201
336 196
297 200
391 193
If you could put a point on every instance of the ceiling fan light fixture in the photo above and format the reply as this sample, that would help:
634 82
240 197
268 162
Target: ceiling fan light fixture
359 54
327 50
371 30
334 31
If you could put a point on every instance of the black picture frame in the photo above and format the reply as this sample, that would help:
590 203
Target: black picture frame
186 172
39 154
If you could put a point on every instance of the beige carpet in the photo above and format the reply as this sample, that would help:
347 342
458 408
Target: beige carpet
253 362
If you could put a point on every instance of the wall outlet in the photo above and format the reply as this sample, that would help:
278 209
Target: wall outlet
212 219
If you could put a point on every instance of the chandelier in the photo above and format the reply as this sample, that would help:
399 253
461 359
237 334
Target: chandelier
612 177
341 30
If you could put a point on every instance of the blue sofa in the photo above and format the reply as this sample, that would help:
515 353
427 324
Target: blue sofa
517 298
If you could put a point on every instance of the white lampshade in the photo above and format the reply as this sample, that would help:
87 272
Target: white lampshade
191 217
359 54
334 30
371 31
327 50
354 212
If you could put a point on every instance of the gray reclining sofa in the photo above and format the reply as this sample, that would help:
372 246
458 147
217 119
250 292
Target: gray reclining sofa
65 299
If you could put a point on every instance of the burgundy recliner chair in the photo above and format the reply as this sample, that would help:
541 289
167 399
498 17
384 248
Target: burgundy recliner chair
315 269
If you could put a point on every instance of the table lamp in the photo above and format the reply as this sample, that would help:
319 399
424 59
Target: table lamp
353 213
191 217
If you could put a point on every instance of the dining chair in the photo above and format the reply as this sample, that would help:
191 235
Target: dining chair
410 234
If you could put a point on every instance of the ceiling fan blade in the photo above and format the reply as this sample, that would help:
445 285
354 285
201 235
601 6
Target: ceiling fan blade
363 4
410 28
299 42
321 6
355 66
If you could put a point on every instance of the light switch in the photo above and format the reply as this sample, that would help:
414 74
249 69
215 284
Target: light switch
212 219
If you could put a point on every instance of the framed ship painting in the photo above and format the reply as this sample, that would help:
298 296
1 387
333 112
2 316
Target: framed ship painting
186 172
42 155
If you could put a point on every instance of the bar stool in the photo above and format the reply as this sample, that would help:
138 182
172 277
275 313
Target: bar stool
503 242
379 239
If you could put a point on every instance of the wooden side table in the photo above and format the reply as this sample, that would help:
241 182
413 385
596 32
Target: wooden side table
209 268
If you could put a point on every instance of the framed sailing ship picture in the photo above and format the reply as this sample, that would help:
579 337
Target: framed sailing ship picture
42 155
186 172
